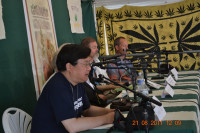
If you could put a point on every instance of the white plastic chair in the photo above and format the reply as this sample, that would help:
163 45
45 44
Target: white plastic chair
15 120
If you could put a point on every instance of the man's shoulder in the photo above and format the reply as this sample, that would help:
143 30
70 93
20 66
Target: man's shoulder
56 80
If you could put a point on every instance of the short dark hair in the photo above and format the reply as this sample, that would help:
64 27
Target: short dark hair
86 41
117 41
70 54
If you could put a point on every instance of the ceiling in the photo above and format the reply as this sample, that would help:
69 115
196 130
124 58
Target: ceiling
113 4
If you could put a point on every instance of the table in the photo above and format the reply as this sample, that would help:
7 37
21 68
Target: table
183 107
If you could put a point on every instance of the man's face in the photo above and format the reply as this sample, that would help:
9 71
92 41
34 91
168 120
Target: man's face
94 49
80 72
121 47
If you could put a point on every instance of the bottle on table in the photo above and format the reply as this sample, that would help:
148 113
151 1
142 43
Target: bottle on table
141 86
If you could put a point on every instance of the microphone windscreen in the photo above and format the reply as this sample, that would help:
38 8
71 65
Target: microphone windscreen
126 84
101 76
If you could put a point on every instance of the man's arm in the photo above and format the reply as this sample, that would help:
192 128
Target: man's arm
96 111
104 98
107 87
98 116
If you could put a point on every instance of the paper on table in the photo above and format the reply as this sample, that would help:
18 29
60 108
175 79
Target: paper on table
170 80
175 73
169 90
159 110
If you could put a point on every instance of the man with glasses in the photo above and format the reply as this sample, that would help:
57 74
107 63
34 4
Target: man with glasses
63 100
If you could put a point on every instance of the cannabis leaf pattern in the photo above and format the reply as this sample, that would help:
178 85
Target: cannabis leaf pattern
152 42
181 9
191 7
159 13
184 38
170 12
128 13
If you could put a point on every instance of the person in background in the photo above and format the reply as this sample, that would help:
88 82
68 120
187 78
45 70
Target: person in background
120 75
53 63
63 100
104 91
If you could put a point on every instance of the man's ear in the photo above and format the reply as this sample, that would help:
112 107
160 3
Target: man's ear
117 47
68 66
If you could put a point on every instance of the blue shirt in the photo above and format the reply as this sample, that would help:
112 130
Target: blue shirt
120 74
60 100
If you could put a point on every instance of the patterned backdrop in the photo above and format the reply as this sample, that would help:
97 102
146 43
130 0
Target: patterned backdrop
172 27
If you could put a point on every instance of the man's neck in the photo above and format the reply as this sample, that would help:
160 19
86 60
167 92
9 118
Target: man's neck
121 56
94 59
69 78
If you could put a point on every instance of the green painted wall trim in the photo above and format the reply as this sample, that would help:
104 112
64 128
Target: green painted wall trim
62 22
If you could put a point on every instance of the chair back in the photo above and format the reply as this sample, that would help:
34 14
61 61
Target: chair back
15 120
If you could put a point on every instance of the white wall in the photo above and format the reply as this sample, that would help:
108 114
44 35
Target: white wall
114 4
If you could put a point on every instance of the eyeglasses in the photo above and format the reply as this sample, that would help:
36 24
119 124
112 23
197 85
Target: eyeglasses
86 64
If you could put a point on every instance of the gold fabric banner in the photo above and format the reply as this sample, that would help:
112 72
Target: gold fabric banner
172 27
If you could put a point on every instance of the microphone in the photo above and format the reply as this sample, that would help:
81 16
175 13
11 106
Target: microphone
135 49
109 57
125 50
158 52
97 79
144 97
106 62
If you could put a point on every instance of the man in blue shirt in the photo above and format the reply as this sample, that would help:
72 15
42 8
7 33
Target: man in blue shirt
63 100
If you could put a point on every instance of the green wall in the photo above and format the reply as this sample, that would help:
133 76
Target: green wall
16 78
62 24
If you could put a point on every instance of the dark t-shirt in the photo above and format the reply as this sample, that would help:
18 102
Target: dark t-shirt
93 97
60 100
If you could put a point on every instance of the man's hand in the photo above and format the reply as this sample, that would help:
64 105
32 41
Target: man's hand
102 97
111 86
110 117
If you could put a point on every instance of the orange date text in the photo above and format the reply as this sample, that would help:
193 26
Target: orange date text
155 123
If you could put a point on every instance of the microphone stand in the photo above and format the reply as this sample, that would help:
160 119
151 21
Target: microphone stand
145 101
140 63
109 57
139 54
167 62
144 97
144 65
105 62
158 65
133 68
133 79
